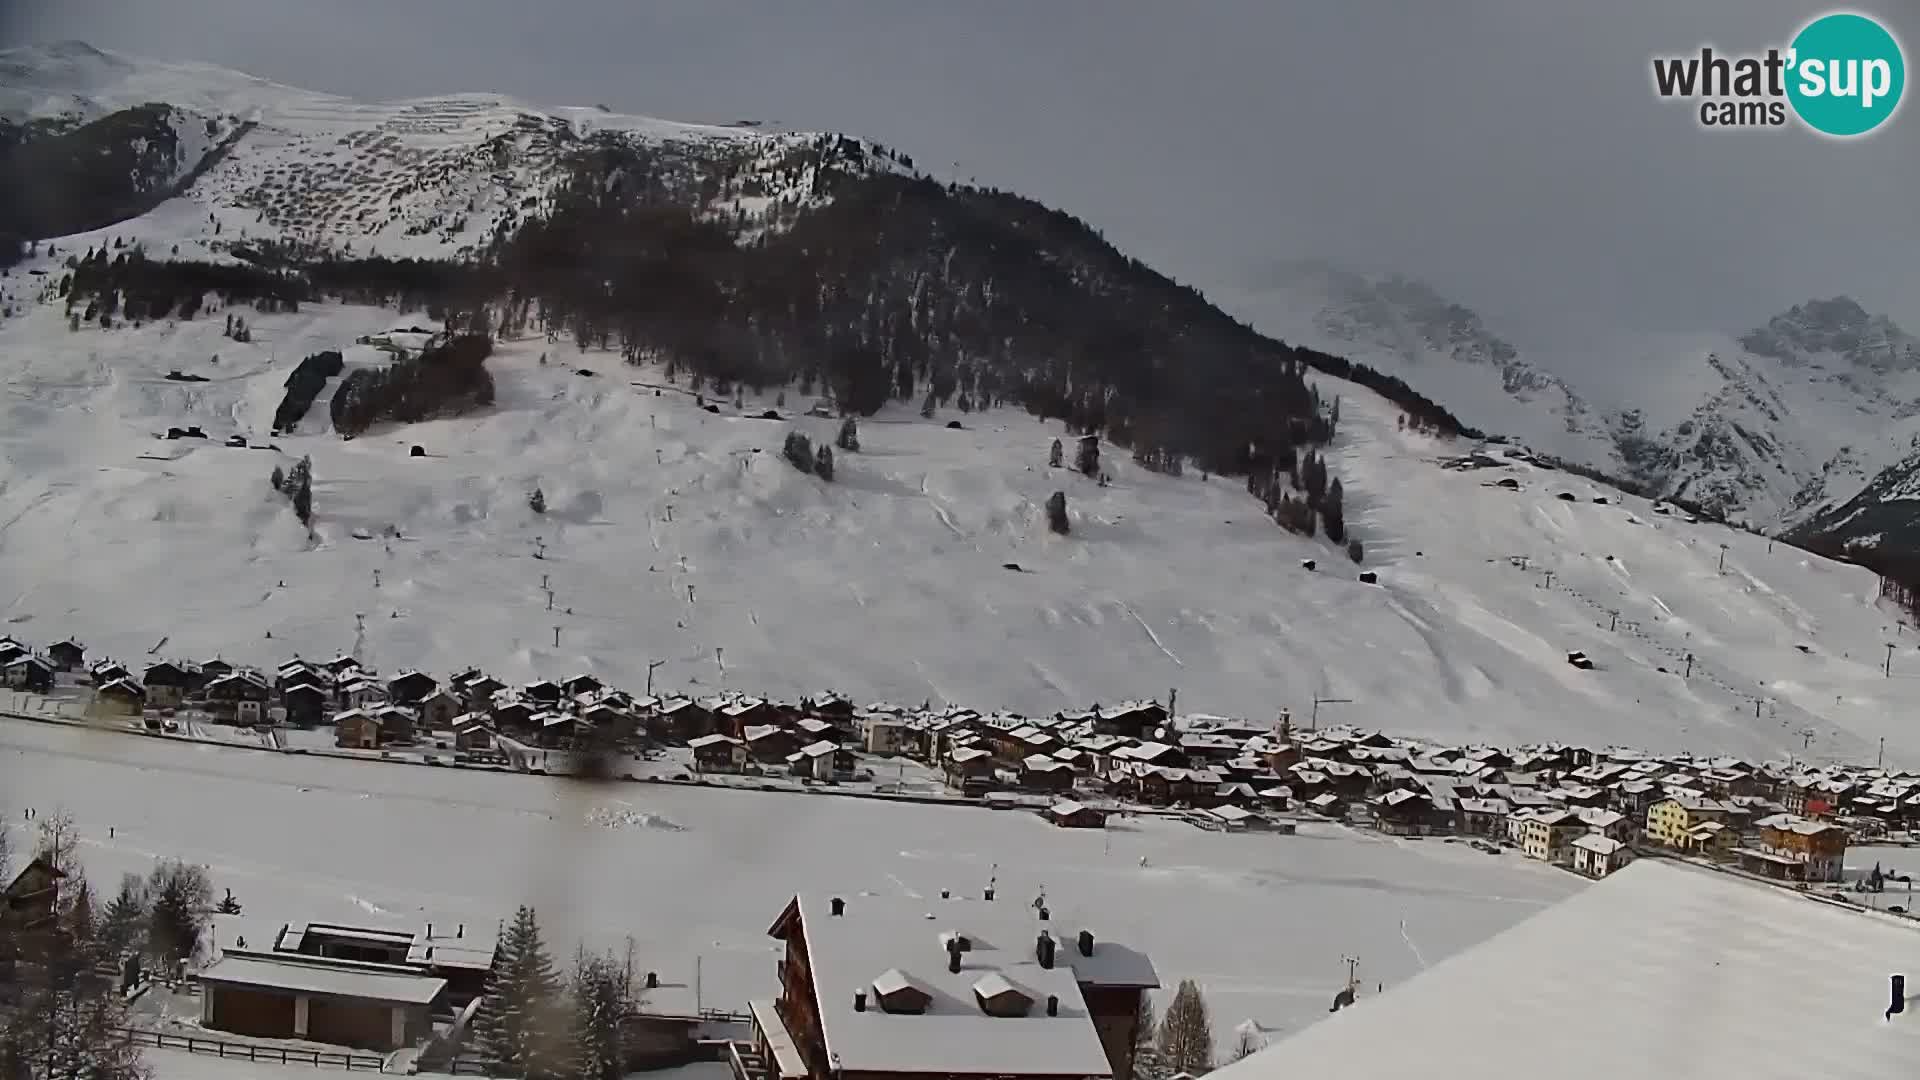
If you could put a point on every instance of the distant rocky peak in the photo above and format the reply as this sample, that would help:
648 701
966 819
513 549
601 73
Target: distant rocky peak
1839 326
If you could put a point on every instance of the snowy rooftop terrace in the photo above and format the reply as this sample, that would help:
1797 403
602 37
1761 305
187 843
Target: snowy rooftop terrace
1658 970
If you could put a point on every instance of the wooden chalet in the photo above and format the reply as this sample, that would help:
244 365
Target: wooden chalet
306 704
31 673
1068 814
356 729
410 687
680 720
718 753
1042 772
438 708
67 655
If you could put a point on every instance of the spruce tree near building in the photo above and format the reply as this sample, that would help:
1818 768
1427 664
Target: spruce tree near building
520 1023
1148 1063
849 438
1186 1031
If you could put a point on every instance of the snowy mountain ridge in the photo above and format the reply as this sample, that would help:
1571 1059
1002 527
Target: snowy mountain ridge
1774 426
427 178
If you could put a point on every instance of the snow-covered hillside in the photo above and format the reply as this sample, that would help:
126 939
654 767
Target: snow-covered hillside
1772 426
678 534
428 178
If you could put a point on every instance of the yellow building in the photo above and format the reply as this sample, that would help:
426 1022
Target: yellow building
1676 822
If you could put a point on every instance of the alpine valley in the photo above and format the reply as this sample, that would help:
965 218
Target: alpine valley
467 381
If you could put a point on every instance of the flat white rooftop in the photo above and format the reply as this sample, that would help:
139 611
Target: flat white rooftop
1661 969
329 978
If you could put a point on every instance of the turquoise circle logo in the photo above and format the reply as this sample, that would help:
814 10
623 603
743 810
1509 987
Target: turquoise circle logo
1847 75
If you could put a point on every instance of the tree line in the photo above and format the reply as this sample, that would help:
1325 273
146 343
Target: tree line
61 980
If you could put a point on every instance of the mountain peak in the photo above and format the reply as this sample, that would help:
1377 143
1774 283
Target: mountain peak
1838 325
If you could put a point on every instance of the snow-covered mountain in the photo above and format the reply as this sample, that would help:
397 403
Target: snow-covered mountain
673 529
427 178
1776 426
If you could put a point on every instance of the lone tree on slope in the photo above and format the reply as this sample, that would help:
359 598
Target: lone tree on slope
1054 456
537 500
823 463
1057 513
1087 459
849 438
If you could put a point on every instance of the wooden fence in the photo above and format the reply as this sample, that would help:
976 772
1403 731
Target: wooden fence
194 1044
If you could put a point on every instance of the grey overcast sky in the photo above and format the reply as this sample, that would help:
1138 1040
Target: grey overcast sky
1509 151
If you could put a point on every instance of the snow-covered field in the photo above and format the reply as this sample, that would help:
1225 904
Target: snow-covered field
680 535
1261 921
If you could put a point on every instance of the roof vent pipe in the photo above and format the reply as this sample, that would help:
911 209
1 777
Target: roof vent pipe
1043 950
859 1001
1053 1005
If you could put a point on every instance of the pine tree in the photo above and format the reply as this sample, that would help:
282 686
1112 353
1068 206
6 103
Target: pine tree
123 925
303 500
799 451
1054 455
1354 550
279 478
1087 459
180 896
926 407
228 905
849 438
823 463
1148 1063
1333 513
602 993
519 1024
82 926
537 501
1186 1032
1057 513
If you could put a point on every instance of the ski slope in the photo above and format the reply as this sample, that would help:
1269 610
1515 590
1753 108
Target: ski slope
680 535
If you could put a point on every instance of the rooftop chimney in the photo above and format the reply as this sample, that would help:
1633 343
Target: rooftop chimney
1053 1005
1086 943
838 906
953 957
461 931
653 980
859 1001
1043 950
429 930
989 895
1045 914
945 894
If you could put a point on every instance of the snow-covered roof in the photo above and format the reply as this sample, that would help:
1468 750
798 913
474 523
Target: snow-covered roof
333 978
886 944
711 740
1599 845
1674 963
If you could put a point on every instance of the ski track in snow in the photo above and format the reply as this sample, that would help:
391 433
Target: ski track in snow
1153 637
